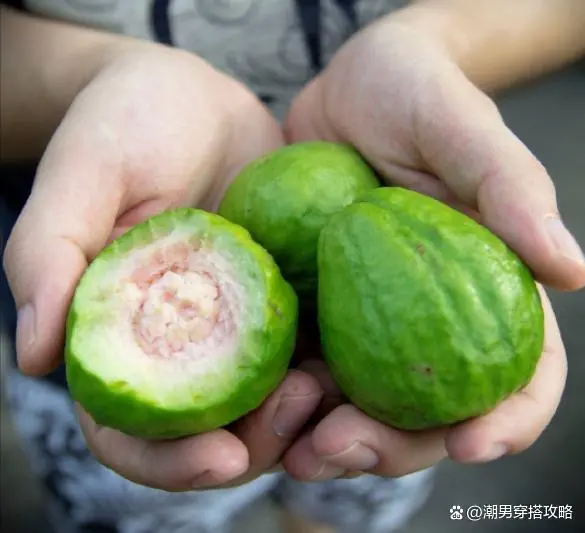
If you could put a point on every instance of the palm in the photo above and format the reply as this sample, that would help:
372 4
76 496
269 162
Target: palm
417 119
399 117
152 131
423 125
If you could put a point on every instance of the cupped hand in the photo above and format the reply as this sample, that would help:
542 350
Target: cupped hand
346 442
399 99
155 129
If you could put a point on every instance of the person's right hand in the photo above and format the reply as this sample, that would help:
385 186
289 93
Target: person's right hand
156 128
395 93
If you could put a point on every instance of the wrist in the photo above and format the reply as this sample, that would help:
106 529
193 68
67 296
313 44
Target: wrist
80 69
44 65
498 43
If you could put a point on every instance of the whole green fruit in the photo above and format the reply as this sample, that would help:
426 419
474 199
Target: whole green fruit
180 326
285 198
426 317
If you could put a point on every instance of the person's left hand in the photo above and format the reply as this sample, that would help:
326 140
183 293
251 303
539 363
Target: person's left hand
412 113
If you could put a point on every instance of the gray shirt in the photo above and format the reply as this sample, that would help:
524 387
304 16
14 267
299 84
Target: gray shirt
273 46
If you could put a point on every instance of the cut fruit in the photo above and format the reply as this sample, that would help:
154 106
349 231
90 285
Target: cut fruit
182 325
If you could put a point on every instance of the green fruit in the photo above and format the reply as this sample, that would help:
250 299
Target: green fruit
285 198
180 326
426 317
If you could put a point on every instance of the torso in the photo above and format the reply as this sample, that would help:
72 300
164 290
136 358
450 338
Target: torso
273 46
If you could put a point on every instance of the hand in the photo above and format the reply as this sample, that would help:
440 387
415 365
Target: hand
412 113
346 442
408 108
156 128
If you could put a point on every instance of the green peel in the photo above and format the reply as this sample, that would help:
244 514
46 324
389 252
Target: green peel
124 388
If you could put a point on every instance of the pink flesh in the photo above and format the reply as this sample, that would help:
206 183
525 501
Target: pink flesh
183 309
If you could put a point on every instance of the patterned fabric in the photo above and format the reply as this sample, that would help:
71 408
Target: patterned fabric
367 504
84 495
274 47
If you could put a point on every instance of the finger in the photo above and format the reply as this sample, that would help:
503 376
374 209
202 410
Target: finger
347 441
305 120
268 431
202 461
429 185
491 170
67 218
302 463
332 395
517 423
94 171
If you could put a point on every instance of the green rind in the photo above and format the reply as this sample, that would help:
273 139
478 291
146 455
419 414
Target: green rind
426 317
262 358
286 197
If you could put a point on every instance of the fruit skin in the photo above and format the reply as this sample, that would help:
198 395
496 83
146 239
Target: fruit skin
285 198
157 406
426 317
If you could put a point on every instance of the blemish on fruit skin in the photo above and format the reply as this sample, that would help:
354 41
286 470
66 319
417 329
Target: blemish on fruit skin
276 310
420 249
425 370
119 385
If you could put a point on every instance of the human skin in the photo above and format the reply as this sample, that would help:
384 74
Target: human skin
109 162
127 129
411 93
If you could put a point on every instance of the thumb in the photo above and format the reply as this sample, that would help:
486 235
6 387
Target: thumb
67 219
462 139
306 120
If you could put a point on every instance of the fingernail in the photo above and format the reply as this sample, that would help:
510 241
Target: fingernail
356 457
290 416
25 329
562 239
326 472
495 452
205 479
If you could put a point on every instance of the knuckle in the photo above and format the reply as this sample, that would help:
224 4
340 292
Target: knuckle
336 434
299 383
